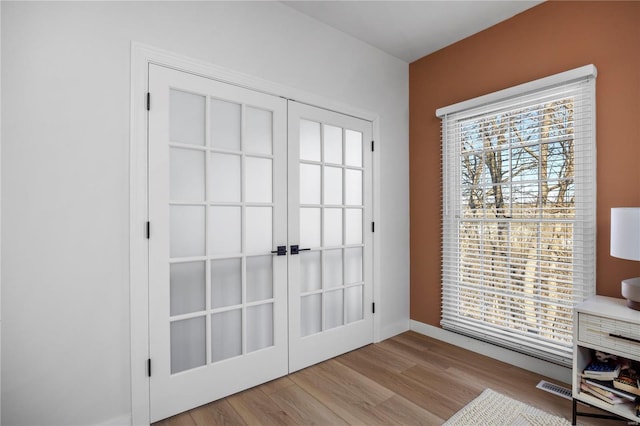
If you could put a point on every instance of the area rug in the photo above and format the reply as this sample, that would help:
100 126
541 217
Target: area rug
492 408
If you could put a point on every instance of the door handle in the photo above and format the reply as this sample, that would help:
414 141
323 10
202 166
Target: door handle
295 249
282 251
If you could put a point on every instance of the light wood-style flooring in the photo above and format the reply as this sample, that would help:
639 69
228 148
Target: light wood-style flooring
409 379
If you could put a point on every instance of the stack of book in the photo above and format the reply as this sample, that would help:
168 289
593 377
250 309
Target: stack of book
612 382
605 391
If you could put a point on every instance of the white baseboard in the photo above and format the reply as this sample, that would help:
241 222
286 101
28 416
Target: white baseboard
548 369
124 420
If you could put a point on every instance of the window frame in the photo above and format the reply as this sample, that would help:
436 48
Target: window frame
585 213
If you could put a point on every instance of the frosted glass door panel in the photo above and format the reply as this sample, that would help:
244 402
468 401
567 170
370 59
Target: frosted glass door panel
258 172
187 174
224 178
187 118
224 230
332 185
331 288
332 268
226 282
217 206
333 310
309 140
258 228
353 226
259 278
258 131
225 123
332 144
187 231
353 265
309 227
354 304
226 335
259 327
309 184
353 187
187 286
332 227
353 148
188 344
310 314
310 271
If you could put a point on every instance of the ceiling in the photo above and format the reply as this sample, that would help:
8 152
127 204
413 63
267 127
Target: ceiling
410 30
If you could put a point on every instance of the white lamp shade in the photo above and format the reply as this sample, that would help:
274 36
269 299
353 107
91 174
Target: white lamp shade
625 233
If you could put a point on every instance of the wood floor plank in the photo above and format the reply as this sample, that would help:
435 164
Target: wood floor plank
456 388
276 385
182 419
256 408
409 379
349 402
217 413
355 385
434 400
304 408
401 411
396 364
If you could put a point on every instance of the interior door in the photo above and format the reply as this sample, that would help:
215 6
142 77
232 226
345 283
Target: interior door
217 211
330 219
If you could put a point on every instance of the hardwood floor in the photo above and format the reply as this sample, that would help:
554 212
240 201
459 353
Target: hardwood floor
409 379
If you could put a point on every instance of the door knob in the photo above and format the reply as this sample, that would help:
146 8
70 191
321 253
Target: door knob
282 251
295 249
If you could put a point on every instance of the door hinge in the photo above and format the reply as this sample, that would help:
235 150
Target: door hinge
373 308
372 146
148 230
148 101
149 367
373 227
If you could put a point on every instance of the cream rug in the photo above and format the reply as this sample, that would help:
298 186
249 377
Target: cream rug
492 408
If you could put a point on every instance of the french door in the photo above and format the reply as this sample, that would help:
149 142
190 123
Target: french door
259 255
330 199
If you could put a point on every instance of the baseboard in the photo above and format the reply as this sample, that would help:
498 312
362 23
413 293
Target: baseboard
544 368
117 421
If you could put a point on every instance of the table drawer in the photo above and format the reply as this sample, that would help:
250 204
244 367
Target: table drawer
615 335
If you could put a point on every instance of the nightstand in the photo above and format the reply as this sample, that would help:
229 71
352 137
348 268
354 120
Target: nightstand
605 324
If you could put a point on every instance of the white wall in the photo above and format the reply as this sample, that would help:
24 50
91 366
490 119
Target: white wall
65 164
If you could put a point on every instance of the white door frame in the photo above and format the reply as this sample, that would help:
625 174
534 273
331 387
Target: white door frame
141 56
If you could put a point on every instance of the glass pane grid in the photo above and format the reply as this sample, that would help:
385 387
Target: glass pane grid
223 139
341 212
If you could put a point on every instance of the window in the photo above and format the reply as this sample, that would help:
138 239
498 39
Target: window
519 213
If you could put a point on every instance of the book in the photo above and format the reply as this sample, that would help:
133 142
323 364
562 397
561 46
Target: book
608 386
595 392
602 370
627 381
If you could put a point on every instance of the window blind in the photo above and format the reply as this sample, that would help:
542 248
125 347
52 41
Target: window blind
518 229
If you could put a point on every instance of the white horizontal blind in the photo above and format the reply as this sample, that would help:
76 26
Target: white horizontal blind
519 217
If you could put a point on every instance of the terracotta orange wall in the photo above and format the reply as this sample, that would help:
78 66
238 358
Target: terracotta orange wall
547 39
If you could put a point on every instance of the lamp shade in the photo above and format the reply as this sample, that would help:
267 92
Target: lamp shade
625 233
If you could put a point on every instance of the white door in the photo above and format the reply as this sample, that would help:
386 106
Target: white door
330 220
217 210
